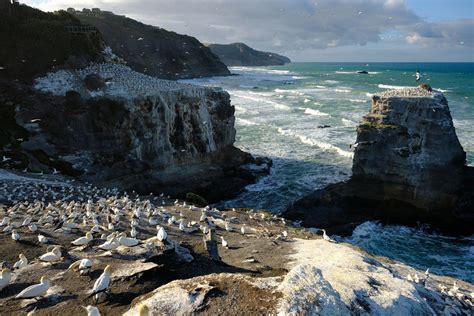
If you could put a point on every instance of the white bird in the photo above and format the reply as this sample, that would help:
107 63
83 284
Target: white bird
5 278
224 242
15 235
181 226
284 234
228 227
326 237
32 227
53 255
102 283
5 221
84 240
82 265
161 234
23 262
143 310
127 241
42 239
111 244
36 289
91 310
26 221
133 232
242 230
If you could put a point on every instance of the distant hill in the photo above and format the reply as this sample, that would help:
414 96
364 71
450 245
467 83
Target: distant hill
153 50
33 42
239 54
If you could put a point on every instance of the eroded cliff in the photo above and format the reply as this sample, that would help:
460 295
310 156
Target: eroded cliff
136 132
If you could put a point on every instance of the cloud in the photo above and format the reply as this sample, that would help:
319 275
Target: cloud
285 26
442 34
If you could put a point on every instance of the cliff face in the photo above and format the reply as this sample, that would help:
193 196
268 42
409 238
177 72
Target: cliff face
239 54
410 144
408 167
162 137
153 50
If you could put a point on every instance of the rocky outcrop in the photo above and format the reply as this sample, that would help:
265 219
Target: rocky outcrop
239 54
153 50
408 167
138 132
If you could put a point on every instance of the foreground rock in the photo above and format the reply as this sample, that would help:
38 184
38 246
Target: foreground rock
239 54
135 133
408 167
264 271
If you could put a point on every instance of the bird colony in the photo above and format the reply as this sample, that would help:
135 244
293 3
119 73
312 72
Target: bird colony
120 81
73 247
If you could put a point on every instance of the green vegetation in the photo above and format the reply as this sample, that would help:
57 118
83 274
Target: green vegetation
377 125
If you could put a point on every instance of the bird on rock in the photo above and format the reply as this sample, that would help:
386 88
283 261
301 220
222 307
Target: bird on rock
91 310
84 240
83 266
36 290
102 283
51 256
23 262
5 278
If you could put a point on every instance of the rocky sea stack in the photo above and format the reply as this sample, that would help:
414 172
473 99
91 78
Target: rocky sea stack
408 167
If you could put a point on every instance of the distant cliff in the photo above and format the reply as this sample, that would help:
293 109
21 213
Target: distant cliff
408 167
153 50
239 54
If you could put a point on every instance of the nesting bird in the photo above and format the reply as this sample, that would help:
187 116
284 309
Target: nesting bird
36 290
101 285
22 263
5 278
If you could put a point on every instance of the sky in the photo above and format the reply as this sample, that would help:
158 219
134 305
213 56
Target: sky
312 30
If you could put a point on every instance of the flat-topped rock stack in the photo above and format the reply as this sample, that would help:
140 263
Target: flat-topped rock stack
408 167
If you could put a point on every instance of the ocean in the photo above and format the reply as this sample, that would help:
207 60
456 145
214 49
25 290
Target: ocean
280 112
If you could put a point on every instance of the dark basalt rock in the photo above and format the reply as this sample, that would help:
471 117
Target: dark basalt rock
94 82
408 168
147 144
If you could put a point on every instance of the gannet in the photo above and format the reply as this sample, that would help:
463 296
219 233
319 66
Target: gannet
143 310
32 227
161 234
91 310
203 216
42 239
453 291
15 235
228 227
36 289
242 230
23 262
102 283
127 241
111 244
284 234
53 255
181 226
224 242
5 221
82 265
84 240
5 278
134 232
326 237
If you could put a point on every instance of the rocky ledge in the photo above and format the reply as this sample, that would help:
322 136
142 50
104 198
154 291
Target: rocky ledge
408 168
113 126
265 266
